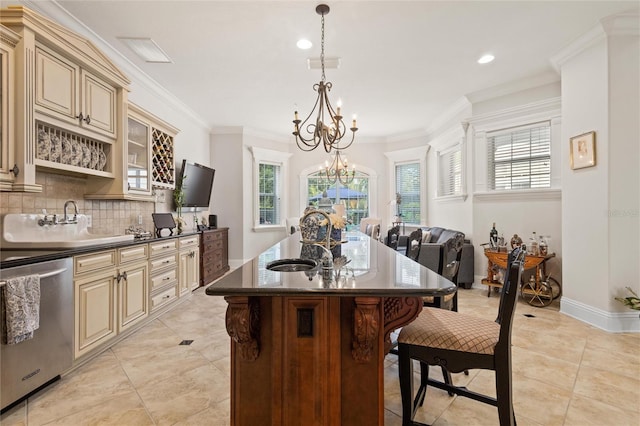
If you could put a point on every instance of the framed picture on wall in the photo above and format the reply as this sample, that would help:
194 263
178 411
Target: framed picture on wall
583 150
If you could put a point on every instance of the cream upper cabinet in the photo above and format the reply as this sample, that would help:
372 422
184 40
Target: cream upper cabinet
138 152
150 160
8 42
68 93
72 101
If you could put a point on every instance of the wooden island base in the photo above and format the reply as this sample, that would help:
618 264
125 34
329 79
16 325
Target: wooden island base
311 360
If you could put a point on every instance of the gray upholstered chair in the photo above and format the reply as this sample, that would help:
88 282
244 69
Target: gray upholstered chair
460 342
413 244
392 237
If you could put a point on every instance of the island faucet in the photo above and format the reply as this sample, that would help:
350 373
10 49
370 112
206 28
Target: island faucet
75 213
327 256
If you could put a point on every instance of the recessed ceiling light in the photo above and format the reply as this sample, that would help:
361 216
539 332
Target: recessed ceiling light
304 44
485 59
146 48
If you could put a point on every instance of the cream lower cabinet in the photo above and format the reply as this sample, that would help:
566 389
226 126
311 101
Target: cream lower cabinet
111 295
163 267
189 264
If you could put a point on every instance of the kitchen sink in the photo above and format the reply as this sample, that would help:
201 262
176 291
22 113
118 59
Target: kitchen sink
22 231
292 265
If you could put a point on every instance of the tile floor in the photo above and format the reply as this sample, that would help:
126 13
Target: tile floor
565 373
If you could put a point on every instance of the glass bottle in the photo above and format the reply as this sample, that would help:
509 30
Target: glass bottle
533 245
493 236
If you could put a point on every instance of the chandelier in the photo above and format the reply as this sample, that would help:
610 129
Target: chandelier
327 125
339 170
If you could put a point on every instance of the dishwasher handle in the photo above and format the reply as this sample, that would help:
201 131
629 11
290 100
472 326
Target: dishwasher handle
45 275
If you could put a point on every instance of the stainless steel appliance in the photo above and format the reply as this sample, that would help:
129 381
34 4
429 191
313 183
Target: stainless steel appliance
36 362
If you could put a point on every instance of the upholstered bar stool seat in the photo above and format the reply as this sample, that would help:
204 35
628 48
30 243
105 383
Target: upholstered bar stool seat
440 328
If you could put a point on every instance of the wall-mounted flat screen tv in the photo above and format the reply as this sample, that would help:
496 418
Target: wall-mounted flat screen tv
197 184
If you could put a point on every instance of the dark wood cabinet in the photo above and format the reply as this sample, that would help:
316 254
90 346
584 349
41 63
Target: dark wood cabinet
214 254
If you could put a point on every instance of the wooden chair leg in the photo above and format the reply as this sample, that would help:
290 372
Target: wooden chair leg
446 376
405 373
504 395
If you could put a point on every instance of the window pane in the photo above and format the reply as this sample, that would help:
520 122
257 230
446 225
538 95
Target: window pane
354 196
520 158
408 186
268 193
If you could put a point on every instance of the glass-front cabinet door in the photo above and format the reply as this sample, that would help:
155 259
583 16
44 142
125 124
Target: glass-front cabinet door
138 155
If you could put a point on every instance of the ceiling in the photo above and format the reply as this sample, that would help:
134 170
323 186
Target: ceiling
403 64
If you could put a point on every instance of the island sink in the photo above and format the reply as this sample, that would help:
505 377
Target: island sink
292 265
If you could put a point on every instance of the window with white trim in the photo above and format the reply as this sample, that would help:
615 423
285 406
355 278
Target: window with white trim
408 186
450 172
269 187
520 158
269 190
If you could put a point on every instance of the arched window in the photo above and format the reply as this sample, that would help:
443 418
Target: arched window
354 196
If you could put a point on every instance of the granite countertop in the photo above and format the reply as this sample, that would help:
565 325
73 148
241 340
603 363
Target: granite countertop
374 270
18 257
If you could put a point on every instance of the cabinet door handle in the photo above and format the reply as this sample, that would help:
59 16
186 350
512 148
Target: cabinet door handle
87 119
80 117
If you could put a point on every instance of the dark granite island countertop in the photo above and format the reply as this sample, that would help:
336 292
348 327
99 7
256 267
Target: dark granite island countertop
314 350
374 269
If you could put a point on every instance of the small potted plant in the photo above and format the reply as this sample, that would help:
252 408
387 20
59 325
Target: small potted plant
633 301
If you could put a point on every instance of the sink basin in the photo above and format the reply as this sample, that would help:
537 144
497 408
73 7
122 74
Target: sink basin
21 231
292 265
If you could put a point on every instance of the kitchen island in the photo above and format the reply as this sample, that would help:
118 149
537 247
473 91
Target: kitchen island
308 350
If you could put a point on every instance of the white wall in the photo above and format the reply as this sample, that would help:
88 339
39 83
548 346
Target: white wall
600 204
227 198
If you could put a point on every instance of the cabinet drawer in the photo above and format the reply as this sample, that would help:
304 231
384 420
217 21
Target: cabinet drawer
213 245
127 254
94 261
188 241
211 236
157 249
163 298
162 262
211 257
163 279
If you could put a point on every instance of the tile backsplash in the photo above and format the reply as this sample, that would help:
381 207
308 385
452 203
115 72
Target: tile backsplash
108 216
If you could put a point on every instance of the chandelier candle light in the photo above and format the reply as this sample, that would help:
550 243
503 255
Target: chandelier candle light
328 127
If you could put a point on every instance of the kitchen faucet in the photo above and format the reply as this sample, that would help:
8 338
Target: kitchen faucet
327 256
75 213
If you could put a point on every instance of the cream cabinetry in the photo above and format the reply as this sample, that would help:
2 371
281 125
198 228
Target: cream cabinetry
150 160
111 295
8 42
189 264
72 103
66 92
163 268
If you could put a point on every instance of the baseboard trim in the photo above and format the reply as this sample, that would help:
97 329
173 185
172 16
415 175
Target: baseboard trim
614 322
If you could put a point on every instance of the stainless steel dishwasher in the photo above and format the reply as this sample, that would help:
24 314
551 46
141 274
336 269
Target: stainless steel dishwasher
34 363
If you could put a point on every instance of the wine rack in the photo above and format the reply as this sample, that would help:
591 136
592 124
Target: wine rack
163 170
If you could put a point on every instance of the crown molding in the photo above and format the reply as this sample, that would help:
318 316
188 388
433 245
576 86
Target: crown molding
540 110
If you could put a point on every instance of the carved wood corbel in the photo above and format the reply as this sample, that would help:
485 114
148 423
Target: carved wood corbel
365 327
243 325
398 311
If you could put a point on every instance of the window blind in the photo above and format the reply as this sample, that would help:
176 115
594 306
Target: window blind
408 186
520 158
450 172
